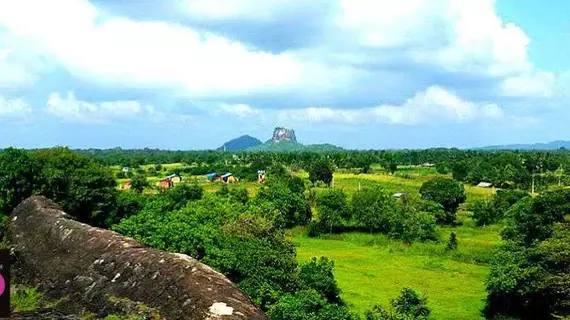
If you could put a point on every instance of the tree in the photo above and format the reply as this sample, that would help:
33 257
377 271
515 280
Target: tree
139 182
321 170
452 241
292 207
460 170
448 193
318 275
372 208
19 172
411 304
530 273
181 193
84 188
332 208
487 212
408 306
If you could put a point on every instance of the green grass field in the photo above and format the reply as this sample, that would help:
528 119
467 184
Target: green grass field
372 269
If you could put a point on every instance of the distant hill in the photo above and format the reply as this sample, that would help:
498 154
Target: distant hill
242 143
282 140
553 145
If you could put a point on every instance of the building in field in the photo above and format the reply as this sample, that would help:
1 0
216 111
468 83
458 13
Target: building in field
165 183
211 176
485 185
175 178
261 176
228 178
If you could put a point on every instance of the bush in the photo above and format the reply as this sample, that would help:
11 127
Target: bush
452 242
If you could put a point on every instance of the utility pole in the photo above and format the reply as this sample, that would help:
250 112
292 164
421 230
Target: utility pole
358 185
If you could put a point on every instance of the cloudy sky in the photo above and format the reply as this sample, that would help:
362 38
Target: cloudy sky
191 74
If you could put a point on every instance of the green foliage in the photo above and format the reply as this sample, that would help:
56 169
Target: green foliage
530 275
307 304
452 242
321 170
19 175
411 305
139 182
127 204
318 275
408 306
333 209
240 195
23 299
292 206
531 220
488 212
446 192
181 193
375 210
225 234
372 208
82 187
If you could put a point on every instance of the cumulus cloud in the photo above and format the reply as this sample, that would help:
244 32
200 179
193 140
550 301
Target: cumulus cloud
432 105
539 84
13 107
455 36
13 74
239 110
70 108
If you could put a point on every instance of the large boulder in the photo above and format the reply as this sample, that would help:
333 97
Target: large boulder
98 269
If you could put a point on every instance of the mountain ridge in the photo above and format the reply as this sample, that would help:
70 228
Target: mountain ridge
552 145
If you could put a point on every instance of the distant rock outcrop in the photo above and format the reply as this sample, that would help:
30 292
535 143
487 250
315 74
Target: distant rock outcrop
102 271
283 134
240 143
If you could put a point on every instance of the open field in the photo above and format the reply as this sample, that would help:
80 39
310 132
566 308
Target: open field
372 269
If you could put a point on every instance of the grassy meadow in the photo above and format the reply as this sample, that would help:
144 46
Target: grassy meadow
372 269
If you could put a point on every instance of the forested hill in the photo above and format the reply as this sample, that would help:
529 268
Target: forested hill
553 145
240 143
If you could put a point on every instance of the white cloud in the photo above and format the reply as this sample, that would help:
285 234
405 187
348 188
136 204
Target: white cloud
13 74
143 54
432 105
239 110
456 35
70 108
13 107
539 84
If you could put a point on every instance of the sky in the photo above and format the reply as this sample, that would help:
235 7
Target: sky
361 74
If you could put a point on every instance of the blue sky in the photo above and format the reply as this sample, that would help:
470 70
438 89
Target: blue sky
192 74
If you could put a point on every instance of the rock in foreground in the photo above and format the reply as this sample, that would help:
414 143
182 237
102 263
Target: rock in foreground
95 269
